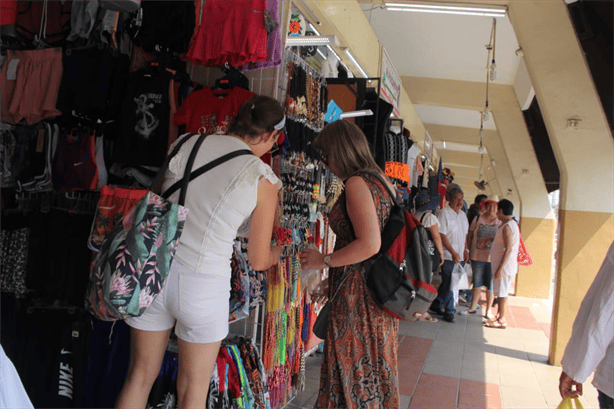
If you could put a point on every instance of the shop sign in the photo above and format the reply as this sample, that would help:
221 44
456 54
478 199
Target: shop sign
397 170
391 83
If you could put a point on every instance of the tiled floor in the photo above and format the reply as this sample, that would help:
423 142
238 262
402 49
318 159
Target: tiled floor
466 365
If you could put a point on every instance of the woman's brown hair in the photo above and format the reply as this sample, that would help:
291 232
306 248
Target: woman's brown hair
257 115
347 145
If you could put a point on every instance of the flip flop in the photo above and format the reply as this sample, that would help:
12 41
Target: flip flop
426 317
495 324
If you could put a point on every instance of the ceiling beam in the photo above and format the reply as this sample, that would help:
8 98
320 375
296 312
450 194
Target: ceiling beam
513 135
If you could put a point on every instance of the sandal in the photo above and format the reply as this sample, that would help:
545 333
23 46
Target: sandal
426 317
496 324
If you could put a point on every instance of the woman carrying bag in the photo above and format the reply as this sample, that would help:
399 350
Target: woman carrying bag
359 369
238 197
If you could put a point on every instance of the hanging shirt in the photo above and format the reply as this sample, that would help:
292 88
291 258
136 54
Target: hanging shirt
592 340
412 154
210 111
145 119
231 31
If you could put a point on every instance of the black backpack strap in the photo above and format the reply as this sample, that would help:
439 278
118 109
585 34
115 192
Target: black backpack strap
383 182
162 171
422 218
198 172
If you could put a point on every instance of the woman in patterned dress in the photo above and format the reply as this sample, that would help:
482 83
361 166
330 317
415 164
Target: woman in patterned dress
359 369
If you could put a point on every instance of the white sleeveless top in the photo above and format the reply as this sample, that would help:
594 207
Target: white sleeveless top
498 248
220 202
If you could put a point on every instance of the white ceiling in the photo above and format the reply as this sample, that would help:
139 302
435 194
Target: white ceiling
444 46
448 47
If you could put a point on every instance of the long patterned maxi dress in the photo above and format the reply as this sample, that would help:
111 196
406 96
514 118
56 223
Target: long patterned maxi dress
359 369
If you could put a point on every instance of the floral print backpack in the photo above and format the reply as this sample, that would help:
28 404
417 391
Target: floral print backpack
135 257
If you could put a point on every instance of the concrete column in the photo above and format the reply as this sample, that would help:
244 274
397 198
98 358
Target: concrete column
585 154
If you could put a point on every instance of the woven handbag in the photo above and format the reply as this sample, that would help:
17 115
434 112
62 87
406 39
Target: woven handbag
135 257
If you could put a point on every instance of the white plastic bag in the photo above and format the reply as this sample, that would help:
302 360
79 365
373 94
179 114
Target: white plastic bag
460 278
469 273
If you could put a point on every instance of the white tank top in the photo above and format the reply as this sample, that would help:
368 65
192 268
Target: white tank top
498 248
220 202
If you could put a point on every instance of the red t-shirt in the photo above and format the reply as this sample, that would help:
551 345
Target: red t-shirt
8 12
213 112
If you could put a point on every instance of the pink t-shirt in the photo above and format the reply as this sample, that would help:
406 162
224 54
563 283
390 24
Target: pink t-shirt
483 235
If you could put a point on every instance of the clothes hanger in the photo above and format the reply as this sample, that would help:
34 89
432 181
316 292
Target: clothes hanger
232 77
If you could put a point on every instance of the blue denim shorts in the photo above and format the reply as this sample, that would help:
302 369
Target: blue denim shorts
482 274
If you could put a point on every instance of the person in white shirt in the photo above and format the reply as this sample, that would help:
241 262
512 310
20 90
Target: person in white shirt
591 346
453 227
239 197
12 392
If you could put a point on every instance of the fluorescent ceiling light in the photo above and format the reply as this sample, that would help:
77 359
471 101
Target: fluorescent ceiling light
353 114
333 51
314 29
311 40
351 57
493 11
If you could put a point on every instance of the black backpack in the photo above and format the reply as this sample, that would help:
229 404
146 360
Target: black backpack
432 249
401 270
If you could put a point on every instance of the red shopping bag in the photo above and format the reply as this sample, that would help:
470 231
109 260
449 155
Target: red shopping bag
524 258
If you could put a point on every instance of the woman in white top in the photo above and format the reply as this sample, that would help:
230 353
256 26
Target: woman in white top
221 202
504 260
425 204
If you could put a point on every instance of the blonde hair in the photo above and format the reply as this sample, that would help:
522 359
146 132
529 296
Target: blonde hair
347 145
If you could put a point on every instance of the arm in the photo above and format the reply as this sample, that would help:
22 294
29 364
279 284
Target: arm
448 246
362 213
469 240
437 239
507 240
593 330
260 253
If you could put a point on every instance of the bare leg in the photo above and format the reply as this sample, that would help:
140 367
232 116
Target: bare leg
501 312
196 362
146 354
489 300
477 292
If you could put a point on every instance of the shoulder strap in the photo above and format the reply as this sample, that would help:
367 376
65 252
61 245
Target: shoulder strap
198 172
383 182
170 156
422 218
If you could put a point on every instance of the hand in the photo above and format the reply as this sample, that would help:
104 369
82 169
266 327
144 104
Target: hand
456 258
312 259
498 274
442 260
566 383
466 257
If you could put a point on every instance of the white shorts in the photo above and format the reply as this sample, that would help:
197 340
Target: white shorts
197 304
502 286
